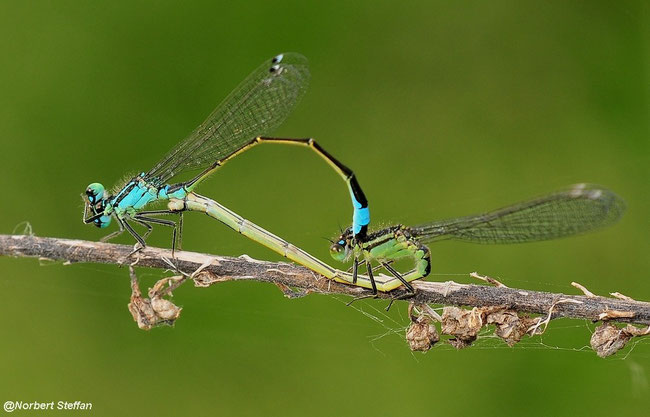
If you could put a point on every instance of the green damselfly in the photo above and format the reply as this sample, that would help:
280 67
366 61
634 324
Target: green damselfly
579 209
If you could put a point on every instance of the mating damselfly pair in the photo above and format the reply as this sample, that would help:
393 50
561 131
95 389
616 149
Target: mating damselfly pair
259 105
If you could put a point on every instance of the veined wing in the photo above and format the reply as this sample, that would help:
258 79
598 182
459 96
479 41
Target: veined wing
257 106
581 209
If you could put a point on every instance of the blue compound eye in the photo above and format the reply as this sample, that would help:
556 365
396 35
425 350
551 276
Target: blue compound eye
341 242
102 222
95 193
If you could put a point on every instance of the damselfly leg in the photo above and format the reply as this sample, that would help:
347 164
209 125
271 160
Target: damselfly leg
114 234
398 276
145 221
177 233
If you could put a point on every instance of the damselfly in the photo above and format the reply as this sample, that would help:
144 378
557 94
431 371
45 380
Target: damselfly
257 106
579 209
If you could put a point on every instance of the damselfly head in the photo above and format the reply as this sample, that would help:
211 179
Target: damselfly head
97 195
341 248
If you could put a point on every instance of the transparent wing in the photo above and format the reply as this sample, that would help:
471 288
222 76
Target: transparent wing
257 106
577 210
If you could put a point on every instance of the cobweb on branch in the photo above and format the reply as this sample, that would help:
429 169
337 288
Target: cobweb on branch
563 335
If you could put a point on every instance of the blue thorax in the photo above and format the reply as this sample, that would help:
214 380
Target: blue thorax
137 193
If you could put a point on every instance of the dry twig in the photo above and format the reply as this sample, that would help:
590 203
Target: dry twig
206 270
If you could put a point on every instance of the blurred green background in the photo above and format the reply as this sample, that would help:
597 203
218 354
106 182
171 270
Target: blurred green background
442 109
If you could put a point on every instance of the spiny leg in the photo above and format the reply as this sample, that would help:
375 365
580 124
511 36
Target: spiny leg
374 269
409 287
372 281
148 226
114 234
90 215
156 212
143 220
399 297
372 278
178 226
135 234
370 269
180 230
360 264
84 217
398 276
355 270
378 267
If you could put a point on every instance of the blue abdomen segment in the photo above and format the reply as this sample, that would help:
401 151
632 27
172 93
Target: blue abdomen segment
360 218
361 215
